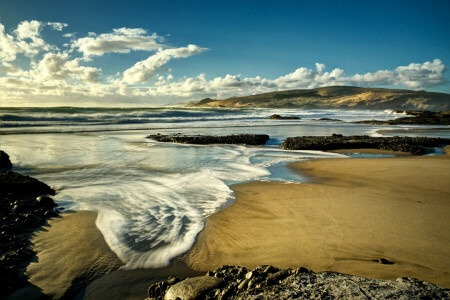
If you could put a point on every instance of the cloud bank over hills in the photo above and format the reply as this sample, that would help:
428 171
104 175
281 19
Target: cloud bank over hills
35 70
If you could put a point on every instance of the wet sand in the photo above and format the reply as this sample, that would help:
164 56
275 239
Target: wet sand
71 252
74 262
352 213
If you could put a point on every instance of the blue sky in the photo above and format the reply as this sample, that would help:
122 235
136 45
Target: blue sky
238 48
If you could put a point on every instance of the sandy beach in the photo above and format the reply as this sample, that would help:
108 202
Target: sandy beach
351 214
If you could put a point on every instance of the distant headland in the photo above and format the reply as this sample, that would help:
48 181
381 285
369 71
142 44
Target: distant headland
337 97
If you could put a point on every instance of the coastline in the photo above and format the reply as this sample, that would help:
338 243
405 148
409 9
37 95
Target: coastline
354 213
331 228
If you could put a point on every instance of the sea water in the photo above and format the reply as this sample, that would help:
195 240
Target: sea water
153 198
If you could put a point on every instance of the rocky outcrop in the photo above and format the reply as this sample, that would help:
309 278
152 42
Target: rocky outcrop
420 118
24 206
278 117
248 139
5 163
415 145
268 282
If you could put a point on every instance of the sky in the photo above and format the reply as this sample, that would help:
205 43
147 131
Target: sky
158 53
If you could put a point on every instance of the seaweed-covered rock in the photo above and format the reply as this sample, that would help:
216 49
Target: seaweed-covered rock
415 145
248 139
268 282
5 163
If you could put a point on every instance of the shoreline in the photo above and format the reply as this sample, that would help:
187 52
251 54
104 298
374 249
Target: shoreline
258 228
353 213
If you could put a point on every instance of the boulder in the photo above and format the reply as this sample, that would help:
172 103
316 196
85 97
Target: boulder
192 288
5 163
45 201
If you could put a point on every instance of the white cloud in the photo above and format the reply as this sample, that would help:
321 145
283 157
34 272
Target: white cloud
142 71
122 40
57 66
415 76
57 25
68 35
26 39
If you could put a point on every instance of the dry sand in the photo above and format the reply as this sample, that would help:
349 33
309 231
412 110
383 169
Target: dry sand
354 212
71 252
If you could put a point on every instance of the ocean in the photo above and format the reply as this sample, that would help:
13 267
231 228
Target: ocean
153 198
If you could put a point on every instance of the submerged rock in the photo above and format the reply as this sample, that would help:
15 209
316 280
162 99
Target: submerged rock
415 145
5 163
278 117
267 282
248 139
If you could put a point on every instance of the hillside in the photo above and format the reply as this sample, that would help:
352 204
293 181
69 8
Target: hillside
341 97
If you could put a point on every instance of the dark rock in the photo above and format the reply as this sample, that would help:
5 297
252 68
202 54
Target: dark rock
5 163
420 118
384 261
20 213
278 117
50 214
330 120
248 139
415 145
45 201
11 182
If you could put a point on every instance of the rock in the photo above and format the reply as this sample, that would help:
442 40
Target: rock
420 117
278 117
243 284
50 214
20 212
191 288
5 163
45 201
330 120
248 139
18 184
294 284
384 261
415 145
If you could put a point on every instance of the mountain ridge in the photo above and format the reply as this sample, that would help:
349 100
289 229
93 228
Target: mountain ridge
337 97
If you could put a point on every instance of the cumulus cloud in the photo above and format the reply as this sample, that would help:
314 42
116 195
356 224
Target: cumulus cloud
57 66
121 40
142 71
26 39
